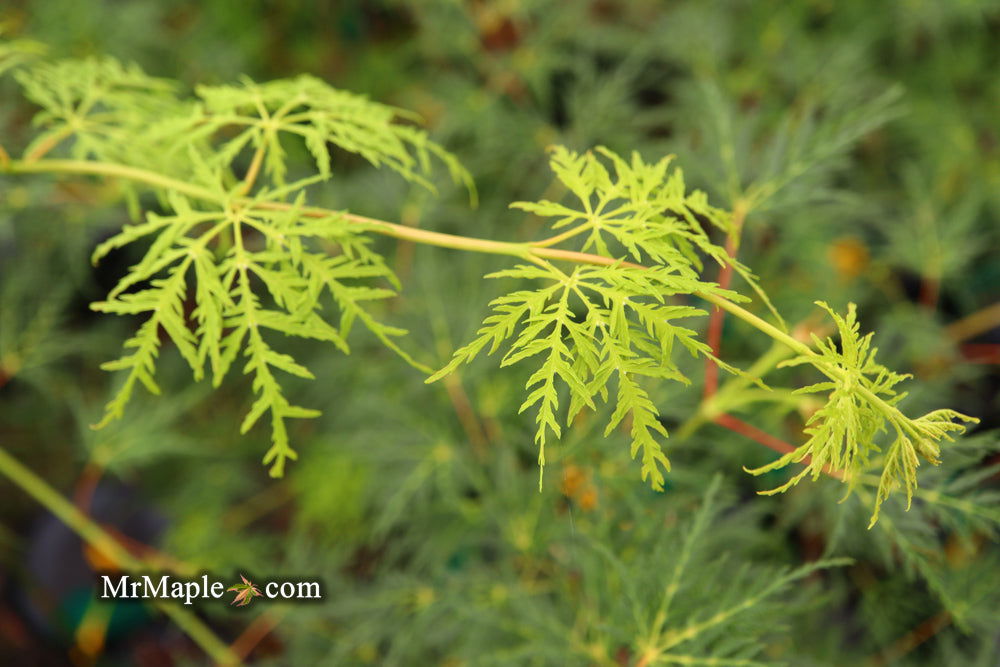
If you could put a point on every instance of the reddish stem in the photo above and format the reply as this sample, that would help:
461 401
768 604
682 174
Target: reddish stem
981 353
473 428
715 326
768 440
754 433
85 487
718 315
930 290
913 639
254 633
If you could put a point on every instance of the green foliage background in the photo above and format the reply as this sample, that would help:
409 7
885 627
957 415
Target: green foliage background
869 144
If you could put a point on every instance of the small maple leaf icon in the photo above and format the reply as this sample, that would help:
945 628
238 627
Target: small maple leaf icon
245 592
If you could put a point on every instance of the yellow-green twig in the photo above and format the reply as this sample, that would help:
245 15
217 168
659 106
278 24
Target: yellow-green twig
100 540
523 250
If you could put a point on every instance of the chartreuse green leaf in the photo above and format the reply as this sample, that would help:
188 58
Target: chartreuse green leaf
639 211
307 108
860 405
234 261
271 280
598 332
18 52
231 263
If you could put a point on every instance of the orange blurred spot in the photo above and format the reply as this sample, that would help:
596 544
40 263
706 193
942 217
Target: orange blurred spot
576 485
588 499
573 479
849 257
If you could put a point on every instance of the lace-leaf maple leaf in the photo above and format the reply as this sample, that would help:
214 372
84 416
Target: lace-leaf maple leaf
861 404
642 208
232 258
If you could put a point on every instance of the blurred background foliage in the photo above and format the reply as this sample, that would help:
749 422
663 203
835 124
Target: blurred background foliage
866 139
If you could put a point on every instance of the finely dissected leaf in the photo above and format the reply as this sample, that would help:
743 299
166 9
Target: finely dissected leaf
231 314
627 333
104 105
116 112
786 165
260 263
307 108
641 209
861 404
18 52
232 259
627 330
164 301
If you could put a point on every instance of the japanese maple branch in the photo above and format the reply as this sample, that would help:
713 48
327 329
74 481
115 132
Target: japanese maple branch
526 251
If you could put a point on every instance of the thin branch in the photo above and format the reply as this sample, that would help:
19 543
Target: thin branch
912 639
53 140
977 323
113 170
717 317
559 238
258 629
754 433
714 334
930 291
100 540
981 353
466 414
258 160
522 250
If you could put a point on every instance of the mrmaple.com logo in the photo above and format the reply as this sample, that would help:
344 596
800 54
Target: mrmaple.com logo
166 587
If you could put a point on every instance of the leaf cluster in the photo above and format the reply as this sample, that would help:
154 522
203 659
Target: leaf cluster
596 324
643 208
861 404
414 523
232 261
239 236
